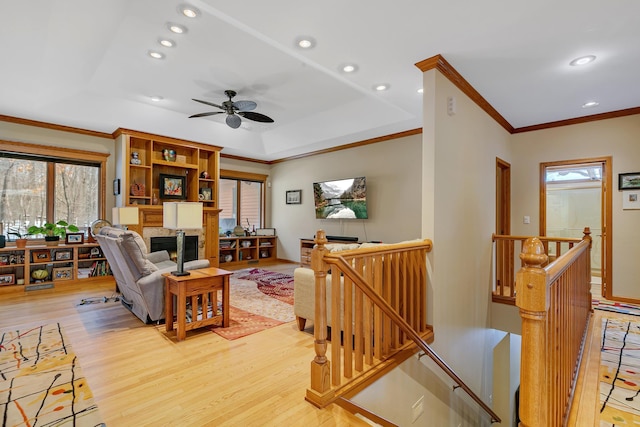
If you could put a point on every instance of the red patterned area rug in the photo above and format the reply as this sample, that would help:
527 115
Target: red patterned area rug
275 285
243 323
259 299
41 383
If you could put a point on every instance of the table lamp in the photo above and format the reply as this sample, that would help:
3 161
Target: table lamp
180 216
124 216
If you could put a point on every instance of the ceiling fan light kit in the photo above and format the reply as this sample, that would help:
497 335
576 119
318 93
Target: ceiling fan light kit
234 110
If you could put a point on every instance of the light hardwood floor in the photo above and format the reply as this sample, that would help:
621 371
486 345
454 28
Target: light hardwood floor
141 376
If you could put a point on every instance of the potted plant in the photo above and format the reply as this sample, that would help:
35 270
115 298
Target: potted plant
53 231
21 239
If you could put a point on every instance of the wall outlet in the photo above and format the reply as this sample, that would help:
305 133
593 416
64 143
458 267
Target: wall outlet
451 105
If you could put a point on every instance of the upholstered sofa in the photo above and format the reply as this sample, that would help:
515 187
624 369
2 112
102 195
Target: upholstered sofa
304 287
138 273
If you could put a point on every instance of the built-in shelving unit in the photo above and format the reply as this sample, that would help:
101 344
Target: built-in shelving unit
247 250
144 158
41 266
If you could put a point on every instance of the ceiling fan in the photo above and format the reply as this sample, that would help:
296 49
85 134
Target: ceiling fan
234 110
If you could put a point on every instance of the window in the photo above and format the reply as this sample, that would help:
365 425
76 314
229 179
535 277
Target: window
241 197
42 187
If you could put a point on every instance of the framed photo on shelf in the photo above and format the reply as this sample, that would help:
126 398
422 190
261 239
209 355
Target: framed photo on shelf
62 273
173 187
206 193
74 238
63 255
40 255
7 279
294 197
629 181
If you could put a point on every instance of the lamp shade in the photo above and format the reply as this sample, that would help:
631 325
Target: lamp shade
124 216
182 215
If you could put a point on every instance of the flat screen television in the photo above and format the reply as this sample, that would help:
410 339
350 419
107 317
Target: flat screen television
341 199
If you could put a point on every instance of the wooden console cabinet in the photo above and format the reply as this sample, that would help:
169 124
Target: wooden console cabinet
306 246
247 250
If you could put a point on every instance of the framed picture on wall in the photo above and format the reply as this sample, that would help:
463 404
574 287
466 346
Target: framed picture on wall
629 181
294 197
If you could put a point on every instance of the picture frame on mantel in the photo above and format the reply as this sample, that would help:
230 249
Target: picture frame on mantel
294 197
173 187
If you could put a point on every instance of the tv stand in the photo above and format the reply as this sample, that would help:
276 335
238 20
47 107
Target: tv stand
342 239
306 245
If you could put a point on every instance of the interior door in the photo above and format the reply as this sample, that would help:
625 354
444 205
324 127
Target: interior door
573 196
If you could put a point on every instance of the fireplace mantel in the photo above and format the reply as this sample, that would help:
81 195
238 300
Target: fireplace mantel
150 216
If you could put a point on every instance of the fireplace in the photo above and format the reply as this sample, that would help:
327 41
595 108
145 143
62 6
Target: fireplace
169 244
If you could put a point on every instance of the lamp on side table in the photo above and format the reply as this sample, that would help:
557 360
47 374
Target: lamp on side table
124 216
180 216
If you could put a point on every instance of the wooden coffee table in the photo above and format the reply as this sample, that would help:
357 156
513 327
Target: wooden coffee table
200 288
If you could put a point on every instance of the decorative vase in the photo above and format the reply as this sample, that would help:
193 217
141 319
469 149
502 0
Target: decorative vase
41 274
51 240
238 230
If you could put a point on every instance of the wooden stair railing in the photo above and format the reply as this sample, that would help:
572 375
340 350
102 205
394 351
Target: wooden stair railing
381 305
555 306
506 247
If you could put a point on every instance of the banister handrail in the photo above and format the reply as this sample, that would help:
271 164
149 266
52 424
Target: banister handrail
555 306
556 268
353 275
495 237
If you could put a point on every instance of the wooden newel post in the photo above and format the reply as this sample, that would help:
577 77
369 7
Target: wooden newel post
320 372
587 236
533 300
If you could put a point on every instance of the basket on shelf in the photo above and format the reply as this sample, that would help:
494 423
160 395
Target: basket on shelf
137 189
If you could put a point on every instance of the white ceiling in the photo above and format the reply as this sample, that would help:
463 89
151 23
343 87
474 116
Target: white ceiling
84 63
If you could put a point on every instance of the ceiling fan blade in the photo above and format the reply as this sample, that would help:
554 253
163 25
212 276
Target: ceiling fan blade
211 113
233 121
208 103
257 117
245 105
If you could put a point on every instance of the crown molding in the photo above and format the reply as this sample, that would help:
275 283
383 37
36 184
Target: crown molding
439 63
52 126
579 120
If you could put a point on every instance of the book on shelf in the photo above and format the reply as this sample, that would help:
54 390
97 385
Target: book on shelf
100 268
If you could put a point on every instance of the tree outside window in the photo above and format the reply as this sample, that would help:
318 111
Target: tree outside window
34 191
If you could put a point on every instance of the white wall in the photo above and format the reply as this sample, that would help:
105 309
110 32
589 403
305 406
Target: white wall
465 147
393 172
614 137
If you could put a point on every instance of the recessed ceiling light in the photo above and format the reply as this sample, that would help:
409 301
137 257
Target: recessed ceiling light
590 104
380 87
421 90
167 42
156 55
156 98
188 11
583 60
349 68
177 28
305 42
